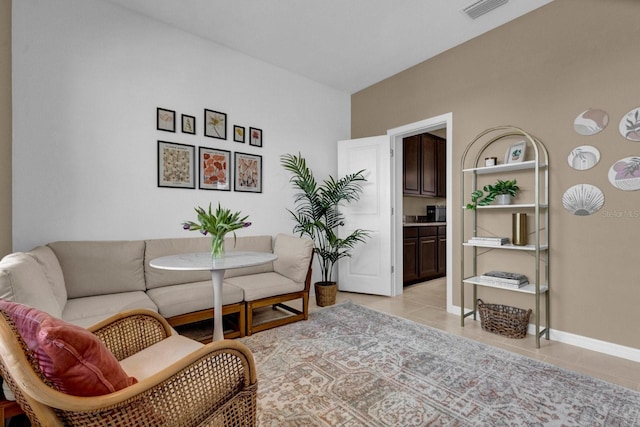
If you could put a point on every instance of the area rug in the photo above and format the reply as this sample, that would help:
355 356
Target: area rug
352 366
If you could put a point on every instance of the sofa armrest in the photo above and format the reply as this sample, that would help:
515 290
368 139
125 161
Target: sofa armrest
129 332
294 257
217 383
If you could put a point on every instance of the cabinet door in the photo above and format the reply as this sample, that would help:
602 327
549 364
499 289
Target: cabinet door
441 178
410 259
429 166
411 162
428 257
442 251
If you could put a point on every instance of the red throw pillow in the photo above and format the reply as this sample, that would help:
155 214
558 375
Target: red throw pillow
74 359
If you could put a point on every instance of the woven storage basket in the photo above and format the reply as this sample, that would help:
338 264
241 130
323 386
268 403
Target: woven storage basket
500 319
326 294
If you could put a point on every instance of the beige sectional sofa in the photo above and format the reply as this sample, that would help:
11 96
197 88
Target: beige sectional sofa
84 282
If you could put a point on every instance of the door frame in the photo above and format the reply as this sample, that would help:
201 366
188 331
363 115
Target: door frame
444 121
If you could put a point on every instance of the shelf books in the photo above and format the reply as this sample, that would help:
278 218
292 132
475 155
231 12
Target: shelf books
489 241
506 279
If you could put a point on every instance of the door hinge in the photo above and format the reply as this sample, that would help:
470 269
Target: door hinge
391 152
393 270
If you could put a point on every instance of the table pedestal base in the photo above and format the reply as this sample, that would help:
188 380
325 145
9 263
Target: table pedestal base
217 276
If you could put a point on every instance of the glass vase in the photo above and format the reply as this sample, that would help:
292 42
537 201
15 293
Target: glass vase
217 245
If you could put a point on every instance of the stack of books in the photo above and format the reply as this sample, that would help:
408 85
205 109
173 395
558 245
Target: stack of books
505 279
489 241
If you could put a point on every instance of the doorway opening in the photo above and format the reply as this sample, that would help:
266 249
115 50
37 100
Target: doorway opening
439 124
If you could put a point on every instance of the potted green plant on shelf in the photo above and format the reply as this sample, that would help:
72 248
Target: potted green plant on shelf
502 191
317 216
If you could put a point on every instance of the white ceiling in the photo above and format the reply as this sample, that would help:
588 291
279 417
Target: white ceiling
345 44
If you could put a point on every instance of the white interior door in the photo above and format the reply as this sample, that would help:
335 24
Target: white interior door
369 269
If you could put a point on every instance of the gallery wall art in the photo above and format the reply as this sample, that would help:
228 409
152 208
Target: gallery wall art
176 165
216 168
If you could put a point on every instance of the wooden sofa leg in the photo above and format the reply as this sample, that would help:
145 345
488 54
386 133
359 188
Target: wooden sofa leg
249 321
242 320
305 306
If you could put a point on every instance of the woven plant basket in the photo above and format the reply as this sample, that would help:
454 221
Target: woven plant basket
500 319
326 294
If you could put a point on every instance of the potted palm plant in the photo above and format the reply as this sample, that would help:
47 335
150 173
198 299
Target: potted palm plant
317 216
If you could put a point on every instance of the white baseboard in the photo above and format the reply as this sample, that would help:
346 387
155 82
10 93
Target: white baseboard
605 347
593 344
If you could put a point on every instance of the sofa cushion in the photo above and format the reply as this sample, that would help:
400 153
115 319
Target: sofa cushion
52 271
263 285
101 267
157 248
248 243
189 297
23 280
88 311
294 256
153 359
72 358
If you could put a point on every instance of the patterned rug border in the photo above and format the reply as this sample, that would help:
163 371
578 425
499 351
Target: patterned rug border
351 365
471 340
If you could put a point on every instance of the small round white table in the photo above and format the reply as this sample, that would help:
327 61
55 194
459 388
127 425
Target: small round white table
203 261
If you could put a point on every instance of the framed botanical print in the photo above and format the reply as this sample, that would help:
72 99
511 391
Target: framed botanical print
176 165
238 133
215 124
248 172
215 169
516 152
255 137
165 120
188 124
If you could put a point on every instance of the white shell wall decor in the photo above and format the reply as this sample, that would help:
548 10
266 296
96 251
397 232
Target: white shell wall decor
625 174
591 122
583 157
630 125
583 199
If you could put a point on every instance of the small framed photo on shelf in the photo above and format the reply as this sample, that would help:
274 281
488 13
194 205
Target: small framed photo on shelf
215 169
248 172
165 120
255 137
176 165
516 152
238 133
215 124
188 124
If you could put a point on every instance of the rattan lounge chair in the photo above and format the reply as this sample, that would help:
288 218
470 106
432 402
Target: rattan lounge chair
215 385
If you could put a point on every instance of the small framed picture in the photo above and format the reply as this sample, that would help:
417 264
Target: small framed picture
176 165
516 152
215 169
215 124
188 124
238 133
165 120
255 137
248 172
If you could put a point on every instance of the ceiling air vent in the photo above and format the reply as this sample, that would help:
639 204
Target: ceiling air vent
480 7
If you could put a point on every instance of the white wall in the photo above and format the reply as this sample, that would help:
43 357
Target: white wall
87 78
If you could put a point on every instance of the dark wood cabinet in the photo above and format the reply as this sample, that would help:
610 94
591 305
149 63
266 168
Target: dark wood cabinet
441 167
411 165
424 166
424 253
410 252
428 253
442 250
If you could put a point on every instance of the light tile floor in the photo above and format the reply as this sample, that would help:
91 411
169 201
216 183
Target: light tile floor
426 303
